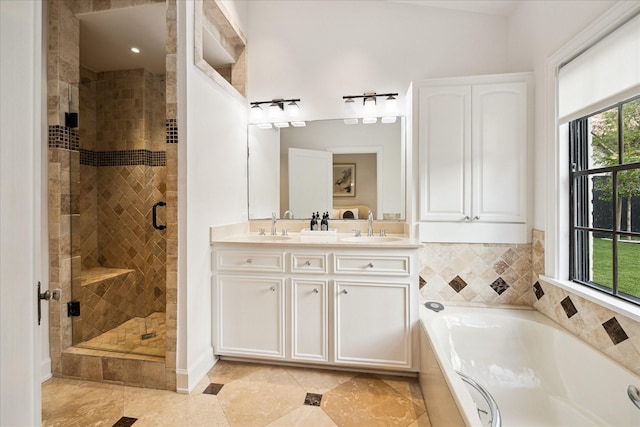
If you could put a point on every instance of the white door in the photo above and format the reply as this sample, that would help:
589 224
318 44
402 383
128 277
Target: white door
499 152
310 182
20 221
445 153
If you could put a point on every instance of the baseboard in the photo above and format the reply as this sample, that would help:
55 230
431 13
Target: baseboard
45 370
188 379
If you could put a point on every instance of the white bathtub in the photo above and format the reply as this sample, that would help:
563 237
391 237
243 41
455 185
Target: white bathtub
538 374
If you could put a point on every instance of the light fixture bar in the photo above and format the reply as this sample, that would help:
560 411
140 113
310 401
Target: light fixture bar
369 95
280 102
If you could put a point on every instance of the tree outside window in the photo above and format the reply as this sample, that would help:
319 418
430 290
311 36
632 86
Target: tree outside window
605 150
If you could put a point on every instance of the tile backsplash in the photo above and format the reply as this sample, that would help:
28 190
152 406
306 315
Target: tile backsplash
485 273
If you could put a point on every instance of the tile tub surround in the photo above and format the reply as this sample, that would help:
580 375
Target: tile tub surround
471 272
611 333
241 394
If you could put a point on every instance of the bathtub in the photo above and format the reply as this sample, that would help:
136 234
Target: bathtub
538 374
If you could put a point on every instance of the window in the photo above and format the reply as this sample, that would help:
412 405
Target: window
605 200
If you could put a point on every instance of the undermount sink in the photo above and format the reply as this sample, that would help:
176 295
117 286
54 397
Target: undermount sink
371 239
266 238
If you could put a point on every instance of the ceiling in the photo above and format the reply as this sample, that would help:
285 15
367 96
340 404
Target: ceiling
106 37
490 7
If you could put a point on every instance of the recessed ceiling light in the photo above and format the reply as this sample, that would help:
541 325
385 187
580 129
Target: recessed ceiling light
135 50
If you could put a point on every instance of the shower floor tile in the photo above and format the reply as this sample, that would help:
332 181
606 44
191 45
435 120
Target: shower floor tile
252 395
128 337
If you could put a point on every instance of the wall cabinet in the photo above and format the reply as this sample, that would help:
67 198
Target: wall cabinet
474 165
349 307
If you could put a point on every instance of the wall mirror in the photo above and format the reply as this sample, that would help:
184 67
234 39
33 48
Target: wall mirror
328 166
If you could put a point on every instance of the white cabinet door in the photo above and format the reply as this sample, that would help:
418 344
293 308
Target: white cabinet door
372 324
445 150
309 326
499 123
250 316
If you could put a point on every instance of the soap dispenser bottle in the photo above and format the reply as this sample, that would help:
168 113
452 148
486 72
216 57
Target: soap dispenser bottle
324 224
314 222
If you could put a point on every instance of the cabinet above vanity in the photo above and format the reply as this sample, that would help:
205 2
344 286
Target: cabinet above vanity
326 300
474 142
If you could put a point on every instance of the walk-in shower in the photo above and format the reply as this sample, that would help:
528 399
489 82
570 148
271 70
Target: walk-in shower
118 280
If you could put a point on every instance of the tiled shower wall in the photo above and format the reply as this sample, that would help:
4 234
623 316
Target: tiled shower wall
122 174
509 274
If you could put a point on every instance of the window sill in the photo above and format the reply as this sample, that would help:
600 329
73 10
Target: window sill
614 304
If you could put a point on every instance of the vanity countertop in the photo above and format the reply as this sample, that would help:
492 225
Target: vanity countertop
341 234
332 240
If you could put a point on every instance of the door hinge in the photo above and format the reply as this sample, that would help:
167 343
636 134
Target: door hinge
73 309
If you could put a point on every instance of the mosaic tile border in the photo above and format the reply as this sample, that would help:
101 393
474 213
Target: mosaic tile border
64 137
171 126
123 158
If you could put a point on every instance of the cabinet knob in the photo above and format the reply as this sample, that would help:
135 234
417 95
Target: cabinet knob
475 218
344 291
467 218
273 289
249 260
307 263
315 291
370 265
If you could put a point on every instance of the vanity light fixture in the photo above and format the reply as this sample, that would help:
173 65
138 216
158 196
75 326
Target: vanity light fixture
298 124
391 104
293 110
256 112
350 105
276 113
369 102
351 121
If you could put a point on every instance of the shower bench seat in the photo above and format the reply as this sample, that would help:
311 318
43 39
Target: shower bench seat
99 274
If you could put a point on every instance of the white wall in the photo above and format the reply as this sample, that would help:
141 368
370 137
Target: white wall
320 51
536 30
212 190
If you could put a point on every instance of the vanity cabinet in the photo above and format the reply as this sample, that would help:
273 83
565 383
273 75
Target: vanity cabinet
474 158
332 306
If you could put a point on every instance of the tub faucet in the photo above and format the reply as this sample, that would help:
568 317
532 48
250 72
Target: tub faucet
370 224
273 224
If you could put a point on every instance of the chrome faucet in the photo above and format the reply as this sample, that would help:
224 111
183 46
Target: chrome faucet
370 224
287 215
273 224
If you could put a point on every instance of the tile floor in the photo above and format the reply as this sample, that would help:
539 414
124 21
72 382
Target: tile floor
243 394
127 338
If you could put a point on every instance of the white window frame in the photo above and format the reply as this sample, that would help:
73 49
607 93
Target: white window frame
557 183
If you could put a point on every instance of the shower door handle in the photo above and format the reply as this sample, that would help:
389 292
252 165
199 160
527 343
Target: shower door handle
155 218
